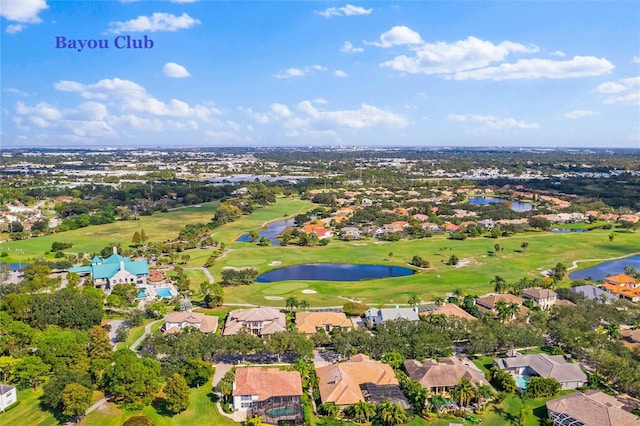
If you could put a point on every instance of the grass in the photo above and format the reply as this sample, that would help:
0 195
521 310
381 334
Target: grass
202 410
134 334
28 411
159 227
473 276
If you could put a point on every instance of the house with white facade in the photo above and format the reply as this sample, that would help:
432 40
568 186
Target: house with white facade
8 396
258 321
115 269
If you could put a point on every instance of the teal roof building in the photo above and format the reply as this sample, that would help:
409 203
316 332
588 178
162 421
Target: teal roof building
115 269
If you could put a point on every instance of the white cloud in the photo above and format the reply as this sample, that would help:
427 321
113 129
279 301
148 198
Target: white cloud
128 96
348 48
322 101
396 36
442 57
627 88
579 113
280 110
300 72
492 122
184 1
340 73
348 10
171 69
611 87
15 91
365 116
558 53
156 22
25 11
636 60
579 66
14 28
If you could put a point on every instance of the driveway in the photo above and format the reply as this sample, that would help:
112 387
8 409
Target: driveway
112 333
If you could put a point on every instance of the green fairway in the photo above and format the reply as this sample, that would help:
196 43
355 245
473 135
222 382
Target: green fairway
201 411
473 274
28 411
159 227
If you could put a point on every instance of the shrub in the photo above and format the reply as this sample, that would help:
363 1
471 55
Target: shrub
354 309
138 421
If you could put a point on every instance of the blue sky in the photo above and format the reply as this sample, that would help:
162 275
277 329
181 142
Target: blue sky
301 73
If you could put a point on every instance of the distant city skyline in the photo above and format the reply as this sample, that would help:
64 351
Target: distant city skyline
188 73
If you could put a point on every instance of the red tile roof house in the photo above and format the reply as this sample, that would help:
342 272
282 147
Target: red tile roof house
270 393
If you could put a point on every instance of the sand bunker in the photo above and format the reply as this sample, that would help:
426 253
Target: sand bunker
309 291
275 263
273 297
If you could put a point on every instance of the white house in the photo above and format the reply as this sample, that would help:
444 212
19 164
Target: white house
7 396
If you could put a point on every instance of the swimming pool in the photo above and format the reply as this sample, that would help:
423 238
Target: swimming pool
521 382
164 292
282 411
142 295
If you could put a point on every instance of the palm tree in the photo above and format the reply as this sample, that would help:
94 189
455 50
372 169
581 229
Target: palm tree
290 303
437 402
613 331
362 411
391 414
394 359
329 409
438 300
303 305
463 392
414 300
513 309
483 394
500 285
503 310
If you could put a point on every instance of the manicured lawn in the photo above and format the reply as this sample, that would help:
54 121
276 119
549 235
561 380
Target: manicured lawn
159 227
28 411
202 411
134 334
472 275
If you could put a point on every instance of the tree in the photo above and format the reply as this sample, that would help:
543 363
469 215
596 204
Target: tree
254 236
463 392
53 389
524 246
133 381
176 394
128 292
394 359
253 421
362 411
542 387
213 294
197 372
99 344
414 300
143 236
559 271
329 409
30 370
75 400
499 284
136 238
539 222
453 260
291 303
122 333
391 414
7 368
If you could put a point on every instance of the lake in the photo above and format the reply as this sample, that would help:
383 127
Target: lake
516 206
612 267
333 272
271 232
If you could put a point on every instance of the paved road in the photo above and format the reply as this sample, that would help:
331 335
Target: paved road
147 330
112 333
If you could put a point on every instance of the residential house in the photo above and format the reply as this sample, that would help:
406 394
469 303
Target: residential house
489 303
375 316
420 217
273 394
115 269
441 376
312 322
449 310
450 227
589 408
624 286
595 293
487 224
177 321
542 298
431 227
8 396
340 383
258 321
350 233
570 375
322 233
366 202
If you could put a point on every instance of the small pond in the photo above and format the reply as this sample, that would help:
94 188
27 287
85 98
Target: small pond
612 267
17 266
333 272
271 232
516 206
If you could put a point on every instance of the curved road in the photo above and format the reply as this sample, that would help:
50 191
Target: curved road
147 330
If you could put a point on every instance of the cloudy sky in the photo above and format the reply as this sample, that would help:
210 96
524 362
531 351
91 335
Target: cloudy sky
262 73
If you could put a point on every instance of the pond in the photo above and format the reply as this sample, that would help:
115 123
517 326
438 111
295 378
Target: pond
333 272
271 232
17 266
516 206
612 267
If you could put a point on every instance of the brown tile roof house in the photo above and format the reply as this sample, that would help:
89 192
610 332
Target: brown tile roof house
488 303
268 392
340 383
311 322
451 310
590 408
543 298
443 375
176 321
259 321
569 375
